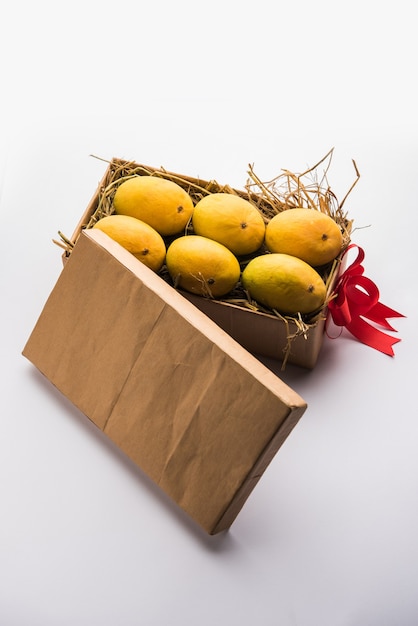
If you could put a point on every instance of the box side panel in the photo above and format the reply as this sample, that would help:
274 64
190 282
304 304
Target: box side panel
263 334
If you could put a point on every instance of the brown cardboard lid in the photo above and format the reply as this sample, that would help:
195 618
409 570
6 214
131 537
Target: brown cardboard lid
194 410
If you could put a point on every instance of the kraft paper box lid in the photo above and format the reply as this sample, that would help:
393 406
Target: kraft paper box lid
200 415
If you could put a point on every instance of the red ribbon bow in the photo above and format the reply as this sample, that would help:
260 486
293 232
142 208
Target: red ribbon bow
356 298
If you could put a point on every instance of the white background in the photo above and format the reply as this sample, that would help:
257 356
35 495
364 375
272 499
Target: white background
329 536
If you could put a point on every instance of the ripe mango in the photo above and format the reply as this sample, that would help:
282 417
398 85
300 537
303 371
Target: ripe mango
231 220
159 202
308 234
202 266
285 283
139 238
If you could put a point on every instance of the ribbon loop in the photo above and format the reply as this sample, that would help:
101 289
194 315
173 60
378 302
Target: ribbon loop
356 300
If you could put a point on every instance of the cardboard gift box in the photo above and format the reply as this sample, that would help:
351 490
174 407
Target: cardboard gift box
172 379
262 332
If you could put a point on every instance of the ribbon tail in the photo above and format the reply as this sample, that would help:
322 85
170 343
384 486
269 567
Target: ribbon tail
372 337
379 314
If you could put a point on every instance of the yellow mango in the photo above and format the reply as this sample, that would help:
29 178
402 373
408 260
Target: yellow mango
230 220
285 283
159 202
202 266
139 238
307 234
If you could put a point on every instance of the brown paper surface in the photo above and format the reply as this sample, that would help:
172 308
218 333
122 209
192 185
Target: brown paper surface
263 334
196 412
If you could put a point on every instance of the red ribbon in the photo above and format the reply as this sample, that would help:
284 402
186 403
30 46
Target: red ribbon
356 299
